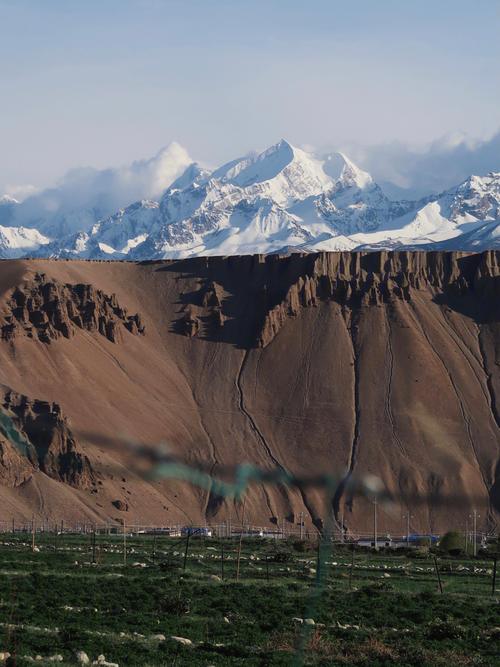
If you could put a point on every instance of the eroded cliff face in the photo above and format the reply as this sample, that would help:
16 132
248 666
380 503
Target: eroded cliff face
45 443
383 363
45 309
280 287
381 278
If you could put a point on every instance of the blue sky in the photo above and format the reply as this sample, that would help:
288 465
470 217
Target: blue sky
104 82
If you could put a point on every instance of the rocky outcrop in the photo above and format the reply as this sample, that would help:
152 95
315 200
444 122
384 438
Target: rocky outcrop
204 311
44 310
258 293
120 505
44 442
357 279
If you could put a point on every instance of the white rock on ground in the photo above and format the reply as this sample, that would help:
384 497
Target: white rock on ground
101 660
82 658
182 640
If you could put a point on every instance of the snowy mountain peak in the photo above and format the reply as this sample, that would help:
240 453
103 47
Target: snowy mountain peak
345 172
193 175
7 200
281 197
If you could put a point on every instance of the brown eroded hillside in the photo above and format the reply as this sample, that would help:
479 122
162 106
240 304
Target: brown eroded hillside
381 363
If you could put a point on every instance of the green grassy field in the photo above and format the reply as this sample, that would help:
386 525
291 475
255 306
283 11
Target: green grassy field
368 609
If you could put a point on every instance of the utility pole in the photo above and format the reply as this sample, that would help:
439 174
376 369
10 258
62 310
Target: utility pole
33 530
301 526
342 526
375 524
466 537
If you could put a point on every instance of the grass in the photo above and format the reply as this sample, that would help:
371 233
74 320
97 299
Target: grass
371 609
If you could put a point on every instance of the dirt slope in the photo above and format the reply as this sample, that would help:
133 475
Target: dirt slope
381 363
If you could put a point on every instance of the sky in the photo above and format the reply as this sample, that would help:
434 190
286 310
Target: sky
104 82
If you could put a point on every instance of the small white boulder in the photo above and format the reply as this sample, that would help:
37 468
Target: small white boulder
182 640
82 658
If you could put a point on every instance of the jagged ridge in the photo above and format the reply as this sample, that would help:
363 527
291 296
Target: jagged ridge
47 309
52 447
346 278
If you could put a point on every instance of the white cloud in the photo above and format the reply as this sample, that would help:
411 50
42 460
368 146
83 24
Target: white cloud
20 192
85 194
407 171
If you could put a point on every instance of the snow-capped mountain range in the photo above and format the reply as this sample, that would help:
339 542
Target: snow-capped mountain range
283 199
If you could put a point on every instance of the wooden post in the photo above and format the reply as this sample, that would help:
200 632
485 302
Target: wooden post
33 530
318 559
222 561
494 579
124 544
438 575
13 527
187 548
352 567
239 544
153 555
238 559
474 527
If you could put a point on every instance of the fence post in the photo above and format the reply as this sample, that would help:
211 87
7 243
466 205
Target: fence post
352 567
154 546
187 547
238 559
124 543
438 575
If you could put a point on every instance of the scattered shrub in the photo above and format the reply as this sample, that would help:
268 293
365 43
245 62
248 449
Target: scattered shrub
452 543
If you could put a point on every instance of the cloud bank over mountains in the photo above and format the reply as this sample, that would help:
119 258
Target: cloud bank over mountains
87 193
281 199
401 170
412 172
